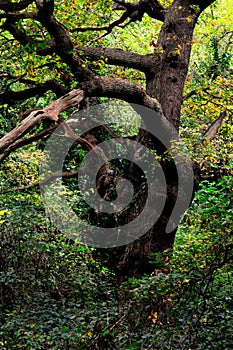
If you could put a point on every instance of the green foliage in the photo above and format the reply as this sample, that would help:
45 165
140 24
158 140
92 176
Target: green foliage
212 46
52 290
53 293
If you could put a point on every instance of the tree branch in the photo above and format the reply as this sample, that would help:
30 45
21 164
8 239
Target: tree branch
13 6
9 96
152 7
119 57
214 127
109 27
99 86
133 11
22 38
62 43
14 16
44 182
26 141
50 112
120 89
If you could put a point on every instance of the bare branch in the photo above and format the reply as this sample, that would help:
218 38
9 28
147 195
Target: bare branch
109 27
26 141
133 11
99 86
50 112
214 127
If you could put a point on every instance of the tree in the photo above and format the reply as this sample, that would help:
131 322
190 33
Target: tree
39 29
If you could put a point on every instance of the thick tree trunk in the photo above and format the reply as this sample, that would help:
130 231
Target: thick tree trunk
171 66
165 82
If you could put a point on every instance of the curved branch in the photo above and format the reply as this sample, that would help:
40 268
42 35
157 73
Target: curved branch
120 89
24 39
119 57
99 86
152 7
62 43
21 37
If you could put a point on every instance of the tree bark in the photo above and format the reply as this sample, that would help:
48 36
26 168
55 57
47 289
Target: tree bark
165 78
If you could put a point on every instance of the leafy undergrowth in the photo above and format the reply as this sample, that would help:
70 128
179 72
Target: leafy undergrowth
54 295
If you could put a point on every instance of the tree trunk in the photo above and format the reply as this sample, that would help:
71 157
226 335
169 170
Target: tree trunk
165 81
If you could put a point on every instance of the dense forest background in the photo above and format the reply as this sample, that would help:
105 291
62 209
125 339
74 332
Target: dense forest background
60 294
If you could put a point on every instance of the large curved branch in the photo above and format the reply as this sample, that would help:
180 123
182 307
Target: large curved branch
62 43
99 86
120 89
152 7
119 57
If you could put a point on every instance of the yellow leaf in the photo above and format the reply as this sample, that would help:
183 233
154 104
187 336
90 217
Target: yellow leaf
189 19
203 266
